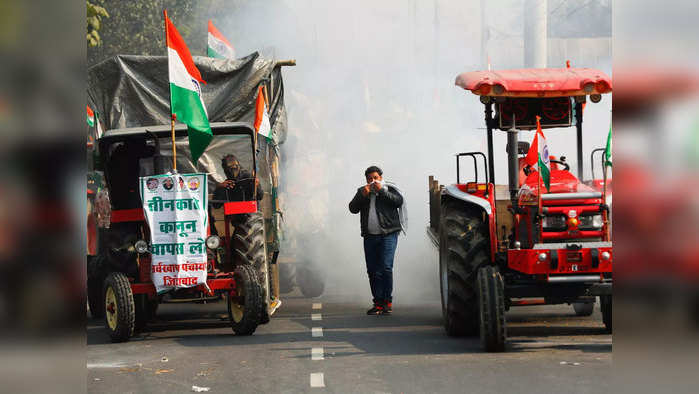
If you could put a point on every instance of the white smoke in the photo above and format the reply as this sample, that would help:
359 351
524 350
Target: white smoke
374 85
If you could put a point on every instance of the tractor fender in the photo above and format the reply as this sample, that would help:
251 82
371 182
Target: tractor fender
452 191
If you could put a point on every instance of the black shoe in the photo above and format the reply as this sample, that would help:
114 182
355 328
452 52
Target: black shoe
376 310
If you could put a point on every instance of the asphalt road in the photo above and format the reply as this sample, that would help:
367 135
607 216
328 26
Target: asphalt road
549 350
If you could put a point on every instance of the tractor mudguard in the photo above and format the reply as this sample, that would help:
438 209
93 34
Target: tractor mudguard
452 191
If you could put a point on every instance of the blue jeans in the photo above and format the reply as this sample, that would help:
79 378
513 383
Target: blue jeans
379 251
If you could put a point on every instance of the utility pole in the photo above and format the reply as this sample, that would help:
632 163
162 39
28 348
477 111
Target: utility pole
535 33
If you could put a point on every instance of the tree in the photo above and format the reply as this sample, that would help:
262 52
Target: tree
137 27
95 14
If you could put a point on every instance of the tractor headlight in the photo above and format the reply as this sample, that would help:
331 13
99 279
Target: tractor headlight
141 246
554 223
591 222
213 242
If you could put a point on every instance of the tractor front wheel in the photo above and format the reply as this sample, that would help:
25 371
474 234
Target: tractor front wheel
583 308
119 307
246 305
249 248
491 305
606 306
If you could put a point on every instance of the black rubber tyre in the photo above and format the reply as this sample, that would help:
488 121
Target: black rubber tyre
249 249
310 282
605 303
246 308
95 297
583 308
120 309
463 247
95 284
491 302
287 277
145 310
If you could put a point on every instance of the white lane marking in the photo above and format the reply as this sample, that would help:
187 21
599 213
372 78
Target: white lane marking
317 332
317 306
317 354
112 365
317 380
316 316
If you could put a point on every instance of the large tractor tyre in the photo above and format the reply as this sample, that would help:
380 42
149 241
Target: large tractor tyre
95 297
120 309
310 282
491 305
249 248
606 306
246 307
583 308
287 277
145 310
463 247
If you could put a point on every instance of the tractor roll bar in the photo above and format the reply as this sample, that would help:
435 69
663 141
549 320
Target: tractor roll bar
578 127
592 160
475 165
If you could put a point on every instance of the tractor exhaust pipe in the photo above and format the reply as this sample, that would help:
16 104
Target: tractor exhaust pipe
513 162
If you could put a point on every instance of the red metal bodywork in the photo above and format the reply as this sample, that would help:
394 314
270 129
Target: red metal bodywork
220 281
545 82
569 261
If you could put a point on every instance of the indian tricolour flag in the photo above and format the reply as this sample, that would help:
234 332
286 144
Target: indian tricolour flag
218 46
262 125
90 117
539 155
186 103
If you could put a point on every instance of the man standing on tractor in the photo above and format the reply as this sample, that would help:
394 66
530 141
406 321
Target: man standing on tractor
380 221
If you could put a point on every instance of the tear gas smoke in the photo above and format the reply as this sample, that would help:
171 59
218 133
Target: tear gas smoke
374 85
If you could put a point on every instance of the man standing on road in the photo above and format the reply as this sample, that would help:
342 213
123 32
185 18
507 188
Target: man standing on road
378 204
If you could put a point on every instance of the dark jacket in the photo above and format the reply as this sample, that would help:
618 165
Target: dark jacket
387 202
242 191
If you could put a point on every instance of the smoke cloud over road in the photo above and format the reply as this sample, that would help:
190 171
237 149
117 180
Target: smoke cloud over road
374 85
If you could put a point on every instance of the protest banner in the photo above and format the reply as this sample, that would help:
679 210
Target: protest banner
175 210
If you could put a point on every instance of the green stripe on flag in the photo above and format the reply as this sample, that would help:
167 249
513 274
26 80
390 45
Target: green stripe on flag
608 149
211 53
188 108
545 174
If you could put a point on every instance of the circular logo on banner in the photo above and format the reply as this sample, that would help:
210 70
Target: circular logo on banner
193 184
152 184
168 184
180 183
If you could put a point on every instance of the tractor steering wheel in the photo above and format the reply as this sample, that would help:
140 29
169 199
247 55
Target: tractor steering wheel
565 165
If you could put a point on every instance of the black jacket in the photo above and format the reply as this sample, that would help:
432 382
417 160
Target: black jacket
387 203
242 191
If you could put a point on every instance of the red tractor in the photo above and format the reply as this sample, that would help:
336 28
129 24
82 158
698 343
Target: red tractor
521 244
119 275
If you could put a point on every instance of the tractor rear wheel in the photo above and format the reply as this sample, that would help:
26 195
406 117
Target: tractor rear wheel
119 306
463 247
246 305
95 284
249 248
606 306
145 310
491 303
583 308
310 282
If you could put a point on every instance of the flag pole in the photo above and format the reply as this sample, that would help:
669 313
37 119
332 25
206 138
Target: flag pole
174 147
173 116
